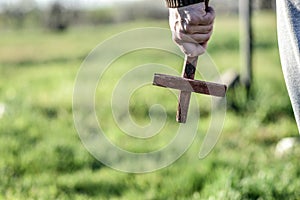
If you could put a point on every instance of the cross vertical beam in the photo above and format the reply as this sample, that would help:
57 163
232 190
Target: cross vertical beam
188 72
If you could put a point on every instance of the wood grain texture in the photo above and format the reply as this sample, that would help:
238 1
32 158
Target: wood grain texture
188 85
188 72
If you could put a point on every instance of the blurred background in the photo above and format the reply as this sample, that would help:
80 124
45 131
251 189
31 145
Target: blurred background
44 42
60 15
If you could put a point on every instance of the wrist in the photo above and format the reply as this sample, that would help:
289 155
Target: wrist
181 3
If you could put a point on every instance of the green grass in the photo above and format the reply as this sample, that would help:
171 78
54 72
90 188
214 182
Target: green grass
42 157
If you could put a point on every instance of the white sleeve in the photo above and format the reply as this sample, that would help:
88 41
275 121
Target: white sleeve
288 24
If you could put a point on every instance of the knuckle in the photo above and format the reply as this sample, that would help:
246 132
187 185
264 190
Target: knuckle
193 19
211 18
207 37
188 29
210 34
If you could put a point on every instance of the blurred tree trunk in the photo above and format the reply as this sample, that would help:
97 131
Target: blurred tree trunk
58 17
246 43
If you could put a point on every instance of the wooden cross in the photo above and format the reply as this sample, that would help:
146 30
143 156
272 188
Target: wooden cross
186 84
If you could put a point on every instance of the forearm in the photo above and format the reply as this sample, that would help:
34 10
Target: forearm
181 3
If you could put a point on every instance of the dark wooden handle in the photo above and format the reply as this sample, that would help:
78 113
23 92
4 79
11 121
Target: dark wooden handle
189 70
206 4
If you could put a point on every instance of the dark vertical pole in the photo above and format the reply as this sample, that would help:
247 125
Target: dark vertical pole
246 43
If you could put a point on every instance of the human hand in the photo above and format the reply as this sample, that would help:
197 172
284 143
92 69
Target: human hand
192 27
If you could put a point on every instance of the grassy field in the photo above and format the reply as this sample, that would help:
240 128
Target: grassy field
42 157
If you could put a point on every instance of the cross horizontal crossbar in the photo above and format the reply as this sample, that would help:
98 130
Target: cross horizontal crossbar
189 85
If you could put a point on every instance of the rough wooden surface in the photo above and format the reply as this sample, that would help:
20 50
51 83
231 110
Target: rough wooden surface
188 85
188 72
